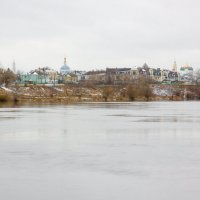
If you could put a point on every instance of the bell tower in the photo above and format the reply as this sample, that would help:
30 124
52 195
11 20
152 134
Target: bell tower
65 61
14 66
174 67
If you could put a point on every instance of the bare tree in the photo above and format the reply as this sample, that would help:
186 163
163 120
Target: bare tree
144 87
196 77
132 92
7 76
107 92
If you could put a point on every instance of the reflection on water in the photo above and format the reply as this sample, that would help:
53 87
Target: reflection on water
101 151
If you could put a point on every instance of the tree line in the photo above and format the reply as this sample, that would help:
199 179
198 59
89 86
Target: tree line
141 89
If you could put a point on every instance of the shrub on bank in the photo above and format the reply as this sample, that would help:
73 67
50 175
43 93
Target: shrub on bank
4 98
132 92
107 92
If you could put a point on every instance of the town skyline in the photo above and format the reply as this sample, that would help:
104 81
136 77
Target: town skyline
14 65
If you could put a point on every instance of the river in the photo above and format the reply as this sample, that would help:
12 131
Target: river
100 151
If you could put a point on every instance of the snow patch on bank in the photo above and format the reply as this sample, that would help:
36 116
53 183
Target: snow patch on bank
162 92
7 89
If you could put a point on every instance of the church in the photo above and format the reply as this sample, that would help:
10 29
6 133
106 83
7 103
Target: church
64 70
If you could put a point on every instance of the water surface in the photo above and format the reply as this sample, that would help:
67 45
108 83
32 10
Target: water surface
101 151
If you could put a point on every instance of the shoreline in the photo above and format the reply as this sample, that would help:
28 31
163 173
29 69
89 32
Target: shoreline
79 94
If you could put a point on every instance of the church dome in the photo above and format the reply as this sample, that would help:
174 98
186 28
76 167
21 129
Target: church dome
186 67
65 69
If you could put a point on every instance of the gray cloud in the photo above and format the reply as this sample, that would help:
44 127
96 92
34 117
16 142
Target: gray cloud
97 34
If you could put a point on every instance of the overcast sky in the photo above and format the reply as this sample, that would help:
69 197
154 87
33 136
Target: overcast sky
99 34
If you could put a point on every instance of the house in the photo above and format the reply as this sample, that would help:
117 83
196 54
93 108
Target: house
118 75
43 75
69 78
80 75
98 76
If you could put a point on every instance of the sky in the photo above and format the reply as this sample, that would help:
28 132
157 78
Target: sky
95 34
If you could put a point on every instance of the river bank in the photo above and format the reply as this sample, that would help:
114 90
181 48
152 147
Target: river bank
76 94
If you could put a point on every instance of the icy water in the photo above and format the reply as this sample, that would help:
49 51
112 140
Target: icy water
126 151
